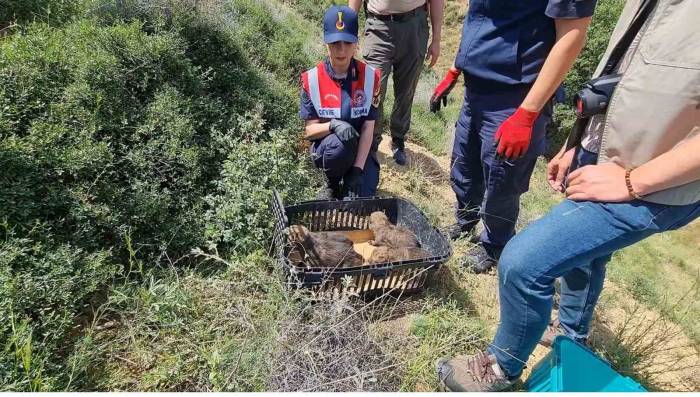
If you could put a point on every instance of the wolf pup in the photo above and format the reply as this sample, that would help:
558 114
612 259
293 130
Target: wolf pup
323 249
388 234
387 254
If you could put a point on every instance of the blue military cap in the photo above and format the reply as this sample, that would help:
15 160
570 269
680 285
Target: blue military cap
340 24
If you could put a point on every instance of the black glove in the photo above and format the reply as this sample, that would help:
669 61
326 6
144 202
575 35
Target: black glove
435 104
353 182
443 89
344 131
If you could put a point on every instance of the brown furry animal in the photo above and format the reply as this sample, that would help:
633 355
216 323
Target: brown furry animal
322 249
388 254
388 234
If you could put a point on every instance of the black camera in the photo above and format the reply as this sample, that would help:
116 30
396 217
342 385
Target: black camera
595 95
592 99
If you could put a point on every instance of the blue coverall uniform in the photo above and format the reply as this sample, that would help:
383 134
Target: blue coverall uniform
329 153
504 45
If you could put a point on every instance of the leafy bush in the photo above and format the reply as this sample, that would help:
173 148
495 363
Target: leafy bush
50 11
240 205
109 145
274 37
606 14
313 10
43 287
123 138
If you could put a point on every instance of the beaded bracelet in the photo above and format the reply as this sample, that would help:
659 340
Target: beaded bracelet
630 189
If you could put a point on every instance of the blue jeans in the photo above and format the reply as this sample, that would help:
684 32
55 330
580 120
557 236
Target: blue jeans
487 187
574 241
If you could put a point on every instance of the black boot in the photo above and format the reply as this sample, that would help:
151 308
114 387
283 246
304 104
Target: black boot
457 232
398 151
481 259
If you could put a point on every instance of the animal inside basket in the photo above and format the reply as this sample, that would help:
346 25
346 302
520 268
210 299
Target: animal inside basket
345 248
383 242
329 249
351 218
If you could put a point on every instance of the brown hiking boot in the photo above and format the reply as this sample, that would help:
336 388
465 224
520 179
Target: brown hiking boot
553 330
477 373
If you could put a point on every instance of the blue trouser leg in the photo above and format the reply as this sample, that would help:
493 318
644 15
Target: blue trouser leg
580 290
336 159
466 174
581 287
333 157
370 176
574 240
488 187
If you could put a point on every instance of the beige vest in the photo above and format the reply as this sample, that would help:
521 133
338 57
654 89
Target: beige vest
656 105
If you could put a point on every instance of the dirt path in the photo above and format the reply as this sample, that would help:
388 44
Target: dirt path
662 354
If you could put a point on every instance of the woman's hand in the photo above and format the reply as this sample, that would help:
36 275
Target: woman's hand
602 182
558 167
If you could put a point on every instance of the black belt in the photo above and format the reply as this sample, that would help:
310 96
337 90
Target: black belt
397 17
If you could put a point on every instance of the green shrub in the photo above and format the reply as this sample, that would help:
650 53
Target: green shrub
43 286
49 11
240 214
132 137
110 144
313 10
125 131
606 14
274 38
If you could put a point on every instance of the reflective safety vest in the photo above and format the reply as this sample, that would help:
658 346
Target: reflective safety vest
325 93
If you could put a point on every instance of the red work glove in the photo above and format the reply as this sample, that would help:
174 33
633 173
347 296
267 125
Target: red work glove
513 136
443 89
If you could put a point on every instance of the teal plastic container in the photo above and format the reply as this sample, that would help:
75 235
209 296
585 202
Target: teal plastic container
571 367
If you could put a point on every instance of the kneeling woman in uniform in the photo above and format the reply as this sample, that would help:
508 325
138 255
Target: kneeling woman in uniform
339 102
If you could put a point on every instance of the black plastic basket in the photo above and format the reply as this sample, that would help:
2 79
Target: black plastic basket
403 276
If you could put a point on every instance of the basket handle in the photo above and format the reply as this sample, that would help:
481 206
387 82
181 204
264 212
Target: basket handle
277 200
319 201
345 199
368 198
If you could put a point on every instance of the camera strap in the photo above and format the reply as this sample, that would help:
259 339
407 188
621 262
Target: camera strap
626 40
613 62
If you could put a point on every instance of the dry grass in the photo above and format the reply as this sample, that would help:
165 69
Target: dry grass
645 344
327 346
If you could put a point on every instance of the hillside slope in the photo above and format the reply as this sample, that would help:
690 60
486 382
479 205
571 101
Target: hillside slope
197 304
